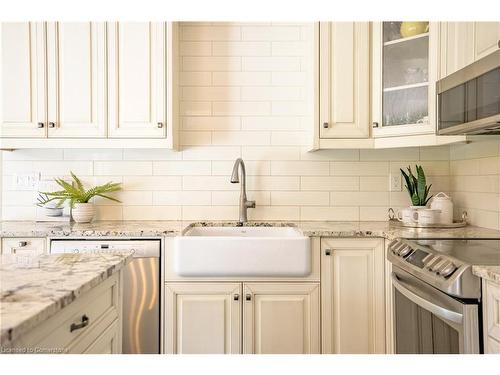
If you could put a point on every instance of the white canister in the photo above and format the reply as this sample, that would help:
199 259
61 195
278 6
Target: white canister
406 214
443 202
426 216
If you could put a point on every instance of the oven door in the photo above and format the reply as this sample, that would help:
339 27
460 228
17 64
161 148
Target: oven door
428 321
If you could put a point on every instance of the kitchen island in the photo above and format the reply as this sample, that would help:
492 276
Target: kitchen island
61 303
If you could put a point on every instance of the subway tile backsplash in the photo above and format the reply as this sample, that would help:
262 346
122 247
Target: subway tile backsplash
245 92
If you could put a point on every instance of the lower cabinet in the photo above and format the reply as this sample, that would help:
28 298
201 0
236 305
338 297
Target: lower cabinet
491 317
352 295
267 318
203 318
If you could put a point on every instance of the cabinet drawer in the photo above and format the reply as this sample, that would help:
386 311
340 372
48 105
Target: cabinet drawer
23 246
492 300
83 320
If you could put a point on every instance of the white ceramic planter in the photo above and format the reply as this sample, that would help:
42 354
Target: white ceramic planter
83 212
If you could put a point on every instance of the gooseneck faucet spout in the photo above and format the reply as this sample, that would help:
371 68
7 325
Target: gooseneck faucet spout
235 178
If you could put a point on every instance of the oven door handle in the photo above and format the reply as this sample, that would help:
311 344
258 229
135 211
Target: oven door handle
437 310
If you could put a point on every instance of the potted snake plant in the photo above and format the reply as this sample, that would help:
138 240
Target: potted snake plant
82 210
417 187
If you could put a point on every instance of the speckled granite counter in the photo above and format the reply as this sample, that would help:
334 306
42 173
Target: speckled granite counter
491 273
32 289
175 228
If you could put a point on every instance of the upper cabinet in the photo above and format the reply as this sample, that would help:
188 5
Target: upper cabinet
23 80
92 81
344 79
76 77
462 43
486 38
405 60
137 80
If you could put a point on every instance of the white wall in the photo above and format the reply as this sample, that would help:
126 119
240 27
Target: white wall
246 92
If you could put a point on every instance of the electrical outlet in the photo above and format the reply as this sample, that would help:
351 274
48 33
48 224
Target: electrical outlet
395 182
25 181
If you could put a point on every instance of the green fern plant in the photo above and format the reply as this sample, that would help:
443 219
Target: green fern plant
417 186
75 192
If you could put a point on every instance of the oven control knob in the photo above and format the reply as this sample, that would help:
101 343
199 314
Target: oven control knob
439 265
432 262
448 270
404 251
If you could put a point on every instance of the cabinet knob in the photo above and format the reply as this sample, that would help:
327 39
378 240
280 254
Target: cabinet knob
22 243
41 125
328 252
52 124
160 124
236 297
375 124
248 297
325 125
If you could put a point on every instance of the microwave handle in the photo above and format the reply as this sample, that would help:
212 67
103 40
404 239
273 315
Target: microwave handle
430 306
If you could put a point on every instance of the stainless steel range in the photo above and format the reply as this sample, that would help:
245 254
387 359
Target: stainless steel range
437 298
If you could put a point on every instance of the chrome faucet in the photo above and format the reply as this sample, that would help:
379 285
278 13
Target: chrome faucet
235 178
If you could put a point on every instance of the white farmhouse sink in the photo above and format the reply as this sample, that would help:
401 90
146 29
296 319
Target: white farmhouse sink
242 251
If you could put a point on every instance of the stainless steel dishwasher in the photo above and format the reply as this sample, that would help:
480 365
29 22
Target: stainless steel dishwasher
141 288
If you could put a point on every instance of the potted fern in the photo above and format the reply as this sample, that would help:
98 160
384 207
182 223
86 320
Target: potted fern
417 187
82 210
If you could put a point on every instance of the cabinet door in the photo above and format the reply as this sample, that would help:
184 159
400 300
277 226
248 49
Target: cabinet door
456 46
404 73
344 79
203 318
23 107
281 318
491 311
486 38
108 342
76 66
352 296
137 81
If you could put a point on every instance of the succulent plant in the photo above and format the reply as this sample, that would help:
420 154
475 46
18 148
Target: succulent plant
416 186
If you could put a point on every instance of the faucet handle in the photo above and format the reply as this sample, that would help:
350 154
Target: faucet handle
250 204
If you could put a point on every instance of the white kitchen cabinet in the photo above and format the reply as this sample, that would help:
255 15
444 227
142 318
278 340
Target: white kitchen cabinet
281 318
90 324
23 80
352 296
107 85
137 79
491 317
344 80
456 46
203 318
404 73
486 38
76 67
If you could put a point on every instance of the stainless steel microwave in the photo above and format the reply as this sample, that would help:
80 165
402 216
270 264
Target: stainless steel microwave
468 100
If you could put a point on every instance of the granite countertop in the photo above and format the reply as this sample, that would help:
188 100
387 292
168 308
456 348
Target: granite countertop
175 228
32 289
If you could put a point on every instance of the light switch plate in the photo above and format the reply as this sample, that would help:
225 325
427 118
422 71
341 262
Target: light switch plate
25 181
395 182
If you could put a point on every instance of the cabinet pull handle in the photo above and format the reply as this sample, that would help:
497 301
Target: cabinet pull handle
325 125
160 125
83 324
499 43
248 297
236 297
328 252
41 125
52 124
375 124
22 243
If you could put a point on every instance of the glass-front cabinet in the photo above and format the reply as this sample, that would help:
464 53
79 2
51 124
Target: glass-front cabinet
405 61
